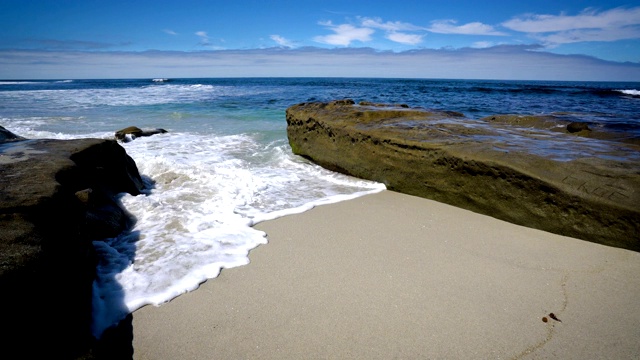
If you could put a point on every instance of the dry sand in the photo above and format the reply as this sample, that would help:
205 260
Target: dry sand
391 276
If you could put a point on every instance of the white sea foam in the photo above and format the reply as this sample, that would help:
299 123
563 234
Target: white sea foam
196 219
16 82
153 94
632 92
205 192
90 98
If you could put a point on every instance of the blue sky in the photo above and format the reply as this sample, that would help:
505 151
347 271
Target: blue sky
550 40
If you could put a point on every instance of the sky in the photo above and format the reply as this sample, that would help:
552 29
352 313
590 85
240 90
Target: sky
529 40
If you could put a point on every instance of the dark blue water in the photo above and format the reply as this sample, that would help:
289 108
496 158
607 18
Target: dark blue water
616 104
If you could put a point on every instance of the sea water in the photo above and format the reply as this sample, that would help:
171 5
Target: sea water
225 163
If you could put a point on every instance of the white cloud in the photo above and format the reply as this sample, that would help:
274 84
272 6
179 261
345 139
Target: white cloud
204 38
344 34
390 26
281 41
473 28
396 31
170 32
404 38
588 19
400 32
589 25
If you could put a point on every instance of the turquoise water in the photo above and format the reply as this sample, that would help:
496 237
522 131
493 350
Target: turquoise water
203 105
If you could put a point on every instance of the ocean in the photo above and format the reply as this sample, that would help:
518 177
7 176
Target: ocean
225 163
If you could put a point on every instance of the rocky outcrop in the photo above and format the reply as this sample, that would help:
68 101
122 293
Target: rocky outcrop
132 132
553 181
56 196
6 135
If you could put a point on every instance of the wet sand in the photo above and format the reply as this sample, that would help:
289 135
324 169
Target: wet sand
395 276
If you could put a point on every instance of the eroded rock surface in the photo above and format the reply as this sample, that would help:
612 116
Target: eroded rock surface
528 175
56 197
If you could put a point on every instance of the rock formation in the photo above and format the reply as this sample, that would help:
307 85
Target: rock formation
553 181
56 197
132 132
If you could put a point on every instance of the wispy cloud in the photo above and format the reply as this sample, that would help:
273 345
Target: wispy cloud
588 19
204 38
170 32
590 25
404 38
396 31
472 28
282 41
344 34
390 26
482 44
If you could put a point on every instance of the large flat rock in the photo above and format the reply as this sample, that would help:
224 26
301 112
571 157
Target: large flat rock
544 177
56 197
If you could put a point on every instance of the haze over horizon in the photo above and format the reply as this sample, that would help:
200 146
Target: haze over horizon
562 40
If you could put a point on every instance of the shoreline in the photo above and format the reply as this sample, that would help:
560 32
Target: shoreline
390 275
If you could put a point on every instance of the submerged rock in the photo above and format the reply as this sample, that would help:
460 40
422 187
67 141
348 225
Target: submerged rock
575 127
56 197
528 175
563 123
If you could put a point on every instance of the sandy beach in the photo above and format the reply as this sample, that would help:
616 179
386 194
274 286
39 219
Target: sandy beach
392 276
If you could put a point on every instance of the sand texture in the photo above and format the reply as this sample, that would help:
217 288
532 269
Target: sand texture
392 276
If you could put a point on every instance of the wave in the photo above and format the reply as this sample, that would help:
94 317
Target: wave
17 82
207 193
518 90
550 90
134 96
160 80
632 92
611 92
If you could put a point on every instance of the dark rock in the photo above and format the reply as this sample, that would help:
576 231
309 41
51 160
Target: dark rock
6 135
134 132
575 127
512 172
368 103
56 196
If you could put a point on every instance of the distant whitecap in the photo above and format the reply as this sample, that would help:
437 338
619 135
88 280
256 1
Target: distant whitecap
632 92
